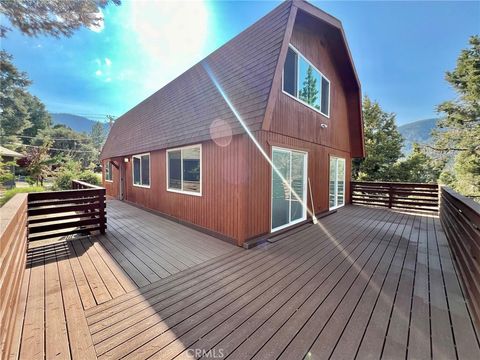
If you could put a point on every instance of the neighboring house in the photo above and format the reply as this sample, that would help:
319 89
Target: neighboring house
7 156
185 152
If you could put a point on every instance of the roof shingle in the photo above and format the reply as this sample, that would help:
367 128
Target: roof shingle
182 112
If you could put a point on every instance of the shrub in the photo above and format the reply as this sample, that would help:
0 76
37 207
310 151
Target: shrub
64 178
89 177
12 192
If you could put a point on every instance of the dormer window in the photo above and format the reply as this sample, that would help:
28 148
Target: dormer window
304 82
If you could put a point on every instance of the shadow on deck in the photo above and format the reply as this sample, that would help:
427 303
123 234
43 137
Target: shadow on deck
363 283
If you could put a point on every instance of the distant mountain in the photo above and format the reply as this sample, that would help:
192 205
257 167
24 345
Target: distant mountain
417 132
77 123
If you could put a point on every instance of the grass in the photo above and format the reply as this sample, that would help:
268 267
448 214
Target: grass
12 192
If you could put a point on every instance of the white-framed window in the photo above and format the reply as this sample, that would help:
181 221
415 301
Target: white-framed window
184 170
141 170
108 171
305 83
336 191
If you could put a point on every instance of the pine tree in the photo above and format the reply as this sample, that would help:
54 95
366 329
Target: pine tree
458 133
52 17
383 144
309 92
418 167
98 135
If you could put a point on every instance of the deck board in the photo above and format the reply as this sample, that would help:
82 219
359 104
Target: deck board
55 324
364 283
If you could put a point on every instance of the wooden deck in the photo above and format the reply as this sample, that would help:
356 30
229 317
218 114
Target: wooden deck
363 283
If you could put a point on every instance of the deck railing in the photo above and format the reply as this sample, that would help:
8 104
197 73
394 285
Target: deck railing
460 217
403 196
61 213
13 246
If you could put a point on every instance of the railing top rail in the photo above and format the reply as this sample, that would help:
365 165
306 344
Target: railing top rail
86 185
394 183
463 201
65 194
10 209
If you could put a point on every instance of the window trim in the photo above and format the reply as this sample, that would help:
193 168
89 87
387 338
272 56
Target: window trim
110 171
139 156
180 191
336 177
297 98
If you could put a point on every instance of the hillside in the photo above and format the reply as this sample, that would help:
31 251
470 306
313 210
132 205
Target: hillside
417 132
77 123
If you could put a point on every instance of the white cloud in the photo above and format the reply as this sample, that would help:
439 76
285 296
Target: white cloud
108 79
108 62
98 72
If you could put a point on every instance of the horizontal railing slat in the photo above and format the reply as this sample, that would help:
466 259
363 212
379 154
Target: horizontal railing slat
63 209
62 217
460 218
63 202
84 206
63 194
411 196
62 225
65 233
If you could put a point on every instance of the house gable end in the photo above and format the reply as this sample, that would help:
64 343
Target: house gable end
306 15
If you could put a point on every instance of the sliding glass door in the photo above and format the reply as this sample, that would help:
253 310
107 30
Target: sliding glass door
288 209
337 183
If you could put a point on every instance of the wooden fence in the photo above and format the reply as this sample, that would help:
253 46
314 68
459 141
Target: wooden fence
460 219
13 253
404 196
61 213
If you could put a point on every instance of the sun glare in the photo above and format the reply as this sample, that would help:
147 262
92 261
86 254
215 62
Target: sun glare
171 32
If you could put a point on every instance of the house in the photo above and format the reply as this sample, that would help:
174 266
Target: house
284 92
9 156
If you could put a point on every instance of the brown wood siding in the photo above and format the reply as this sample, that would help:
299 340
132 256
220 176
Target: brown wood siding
236 185
258 196
216 209
112 187
293 118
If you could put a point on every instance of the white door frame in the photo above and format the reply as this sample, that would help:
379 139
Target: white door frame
305 178
335 190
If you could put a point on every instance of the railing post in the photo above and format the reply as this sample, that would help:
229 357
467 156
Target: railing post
102 210
390 195
352 184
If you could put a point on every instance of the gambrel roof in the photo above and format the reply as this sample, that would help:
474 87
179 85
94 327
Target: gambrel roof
185 110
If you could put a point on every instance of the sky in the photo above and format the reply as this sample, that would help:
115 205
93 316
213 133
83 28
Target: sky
401 51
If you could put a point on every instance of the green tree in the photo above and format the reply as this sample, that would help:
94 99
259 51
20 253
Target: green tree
383 144
39 117
458 133
38 163
7 172
309 92
67 144
52 17
98 135
418 167
13 93
22 113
